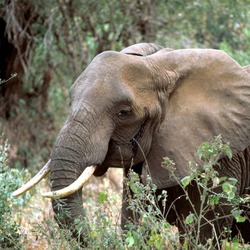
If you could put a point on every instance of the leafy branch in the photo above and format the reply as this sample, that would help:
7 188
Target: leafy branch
4 81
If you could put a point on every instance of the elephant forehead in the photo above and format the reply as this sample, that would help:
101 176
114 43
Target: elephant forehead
101 91
110 74
109 62
101 85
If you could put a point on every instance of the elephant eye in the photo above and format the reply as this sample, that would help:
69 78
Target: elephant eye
124 113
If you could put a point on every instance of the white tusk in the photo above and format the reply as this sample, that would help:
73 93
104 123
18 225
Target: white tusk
72 188
38 177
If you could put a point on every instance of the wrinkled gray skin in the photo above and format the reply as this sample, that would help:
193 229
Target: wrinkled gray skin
130 109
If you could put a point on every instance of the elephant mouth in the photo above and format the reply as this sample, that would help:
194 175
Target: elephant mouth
133 144
138 136
123 154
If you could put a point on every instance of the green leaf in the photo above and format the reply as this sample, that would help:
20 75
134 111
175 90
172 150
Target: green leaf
223 179
130 240
237 215
233 181
231 195
227 150
206 150
240 218
227 187
102 197
185 245
214 199
190 219
186 180
155 240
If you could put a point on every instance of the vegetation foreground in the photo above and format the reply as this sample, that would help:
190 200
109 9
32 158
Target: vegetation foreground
27 222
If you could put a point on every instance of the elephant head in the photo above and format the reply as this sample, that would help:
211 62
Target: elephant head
134 107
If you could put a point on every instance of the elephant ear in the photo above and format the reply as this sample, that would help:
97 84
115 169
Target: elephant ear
210 96
142 49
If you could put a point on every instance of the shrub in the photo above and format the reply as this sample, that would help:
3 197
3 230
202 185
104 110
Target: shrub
152 231
214 191
11 236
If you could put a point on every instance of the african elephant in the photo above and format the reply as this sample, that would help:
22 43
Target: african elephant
130 109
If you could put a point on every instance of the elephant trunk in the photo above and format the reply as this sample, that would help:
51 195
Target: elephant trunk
77 147
68 208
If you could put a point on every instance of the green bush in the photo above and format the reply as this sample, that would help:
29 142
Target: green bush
213 190
11 236
152 231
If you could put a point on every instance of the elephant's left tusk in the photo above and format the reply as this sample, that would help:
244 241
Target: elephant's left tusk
72 188
32 182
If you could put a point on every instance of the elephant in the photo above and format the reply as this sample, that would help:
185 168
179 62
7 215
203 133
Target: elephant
129 109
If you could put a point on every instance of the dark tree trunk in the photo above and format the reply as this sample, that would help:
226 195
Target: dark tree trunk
9 64
20 96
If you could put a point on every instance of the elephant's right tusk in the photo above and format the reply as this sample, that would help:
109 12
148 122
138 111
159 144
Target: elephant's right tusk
72 188
38 177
